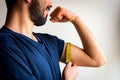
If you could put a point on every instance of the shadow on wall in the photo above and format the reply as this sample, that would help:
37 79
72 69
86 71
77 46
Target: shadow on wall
119 19
119 29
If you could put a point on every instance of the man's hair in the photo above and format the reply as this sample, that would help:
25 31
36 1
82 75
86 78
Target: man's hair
10 3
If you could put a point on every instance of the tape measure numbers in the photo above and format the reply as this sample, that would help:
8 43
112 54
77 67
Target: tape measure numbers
68 52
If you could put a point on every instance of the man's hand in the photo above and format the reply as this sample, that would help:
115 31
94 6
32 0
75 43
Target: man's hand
62 15
70 71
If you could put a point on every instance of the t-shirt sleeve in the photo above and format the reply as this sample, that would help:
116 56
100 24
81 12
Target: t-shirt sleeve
58 43
12 65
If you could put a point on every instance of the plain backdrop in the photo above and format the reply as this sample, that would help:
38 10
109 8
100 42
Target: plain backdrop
102 17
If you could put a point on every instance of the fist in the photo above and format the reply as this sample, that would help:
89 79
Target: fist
62 15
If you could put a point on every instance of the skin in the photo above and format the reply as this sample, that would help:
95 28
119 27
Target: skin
70 71
90 55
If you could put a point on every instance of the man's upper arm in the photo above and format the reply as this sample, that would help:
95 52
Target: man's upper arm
77 56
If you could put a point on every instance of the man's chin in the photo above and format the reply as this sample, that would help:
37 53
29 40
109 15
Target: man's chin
40 21
40 24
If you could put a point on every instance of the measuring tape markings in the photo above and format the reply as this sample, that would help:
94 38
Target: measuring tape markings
68 52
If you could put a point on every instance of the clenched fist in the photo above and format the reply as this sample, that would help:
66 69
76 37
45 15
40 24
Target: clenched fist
62 15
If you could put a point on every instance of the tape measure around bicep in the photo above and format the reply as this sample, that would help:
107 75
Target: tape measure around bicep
68 52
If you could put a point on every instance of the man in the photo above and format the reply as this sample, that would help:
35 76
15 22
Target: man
25 55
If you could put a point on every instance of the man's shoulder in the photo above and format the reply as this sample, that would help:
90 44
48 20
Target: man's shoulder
46 36
4 38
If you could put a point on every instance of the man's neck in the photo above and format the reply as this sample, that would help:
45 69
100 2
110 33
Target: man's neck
20 22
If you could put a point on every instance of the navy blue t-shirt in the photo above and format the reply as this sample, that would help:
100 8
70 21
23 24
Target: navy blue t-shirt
22 58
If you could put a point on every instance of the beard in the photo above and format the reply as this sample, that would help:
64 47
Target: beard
37 14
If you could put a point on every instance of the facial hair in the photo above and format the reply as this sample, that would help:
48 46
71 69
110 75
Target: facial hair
37 14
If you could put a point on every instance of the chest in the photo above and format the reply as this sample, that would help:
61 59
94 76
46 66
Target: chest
42 58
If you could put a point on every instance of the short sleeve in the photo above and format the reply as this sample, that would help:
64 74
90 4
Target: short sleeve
60 44
56 43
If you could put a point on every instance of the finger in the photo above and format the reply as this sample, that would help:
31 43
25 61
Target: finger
69 64
57 10
52 20
56 15
55 19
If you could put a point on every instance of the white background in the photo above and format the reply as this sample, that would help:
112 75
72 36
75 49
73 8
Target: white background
102 17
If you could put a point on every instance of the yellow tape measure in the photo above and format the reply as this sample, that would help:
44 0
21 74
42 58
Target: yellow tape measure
68 52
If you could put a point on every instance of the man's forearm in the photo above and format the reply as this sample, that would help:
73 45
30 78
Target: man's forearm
90 45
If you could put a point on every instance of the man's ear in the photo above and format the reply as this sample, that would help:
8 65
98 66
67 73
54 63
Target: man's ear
28 1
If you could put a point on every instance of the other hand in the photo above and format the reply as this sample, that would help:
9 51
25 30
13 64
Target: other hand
70 71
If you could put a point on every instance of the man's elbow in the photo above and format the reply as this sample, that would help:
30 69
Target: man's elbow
100 63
